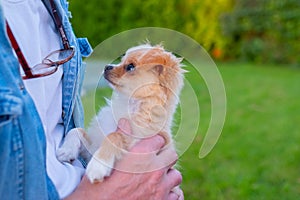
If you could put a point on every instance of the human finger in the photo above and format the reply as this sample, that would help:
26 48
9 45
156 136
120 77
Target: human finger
181 195
145 153
149 145
142 157
178 195
175 179
166 158
173 196
124 126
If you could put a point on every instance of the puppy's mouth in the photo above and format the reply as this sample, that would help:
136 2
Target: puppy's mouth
109 77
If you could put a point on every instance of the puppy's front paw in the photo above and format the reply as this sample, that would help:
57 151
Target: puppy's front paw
67 153
70 149
97 169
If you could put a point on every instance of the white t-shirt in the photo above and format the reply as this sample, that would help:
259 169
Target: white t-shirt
36 35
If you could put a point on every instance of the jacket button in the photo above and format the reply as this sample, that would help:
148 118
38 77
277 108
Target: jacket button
21 86
63 114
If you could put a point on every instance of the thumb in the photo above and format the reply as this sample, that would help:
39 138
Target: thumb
124 126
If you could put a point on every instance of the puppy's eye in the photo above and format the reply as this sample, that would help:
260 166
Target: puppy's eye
130 67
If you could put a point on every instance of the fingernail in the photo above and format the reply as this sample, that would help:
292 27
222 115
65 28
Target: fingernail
122 123
124 126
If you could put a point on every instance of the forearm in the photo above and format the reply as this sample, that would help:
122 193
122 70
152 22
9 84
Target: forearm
86 190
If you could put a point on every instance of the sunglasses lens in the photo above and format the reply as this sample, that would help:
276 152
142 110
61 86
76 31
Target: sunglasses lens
50 64
59 56
44 69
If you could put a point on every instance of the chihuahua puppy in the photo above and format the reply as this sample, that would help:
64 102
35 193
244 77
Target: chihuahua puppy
146 83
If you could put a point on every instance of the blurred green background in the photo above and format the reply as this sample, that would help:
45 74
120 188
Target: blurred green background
256 46
250 30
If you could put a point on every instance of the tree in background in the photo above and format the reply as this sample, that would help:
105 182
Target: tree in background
253 30
99 19
264 31
204 25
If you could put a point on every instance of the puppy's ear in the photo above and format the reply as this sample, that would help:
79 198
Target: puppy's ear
158 69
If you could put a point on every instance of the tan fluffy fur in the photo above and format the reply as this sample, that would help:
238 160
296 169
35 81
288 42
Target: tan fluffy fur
147 96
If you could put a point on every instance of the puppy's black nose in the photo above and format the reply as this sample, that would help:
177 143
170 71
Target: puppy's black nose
108 67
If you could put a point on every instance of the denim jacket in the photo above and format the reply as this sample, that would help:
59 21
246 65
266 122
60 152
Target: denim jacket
22 139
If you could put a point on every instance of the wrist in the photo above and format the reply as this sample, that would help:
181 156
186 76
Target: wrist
87 190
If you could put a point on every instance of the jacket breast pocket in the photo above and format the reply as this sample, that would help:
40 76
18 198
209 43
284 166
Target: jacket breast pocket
11 146
10 107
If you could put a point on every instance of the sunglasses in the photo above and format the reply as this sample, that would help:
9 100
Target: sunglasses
51 62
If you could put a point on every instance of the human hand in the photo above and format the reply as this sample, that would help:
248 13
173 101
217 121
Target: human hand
149 177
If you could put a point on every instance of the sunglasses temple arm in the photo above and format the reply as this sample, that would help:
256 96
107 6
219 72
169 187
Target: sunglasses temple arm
58 22
64 38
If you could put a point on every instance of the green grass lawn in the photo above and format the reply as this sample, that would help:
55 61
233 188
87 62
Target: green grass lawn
258 153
